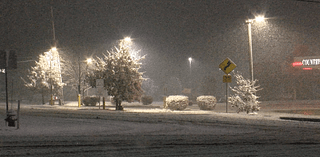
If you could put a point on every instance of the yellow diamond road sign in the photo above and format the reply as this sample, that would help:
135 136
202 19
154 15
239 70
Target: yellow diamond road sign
227 66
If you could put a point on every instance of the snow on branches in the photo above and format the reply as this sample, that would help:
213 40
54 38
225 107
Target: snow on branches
120 73
244 97
46 74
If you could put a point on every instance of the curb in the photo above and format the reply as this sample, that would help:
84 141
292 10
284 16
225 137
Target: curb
301 119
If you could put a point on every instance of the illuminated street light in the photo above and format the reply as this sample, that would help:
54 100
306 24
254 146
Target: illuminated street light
190 60
89 61
249 22
126 42
53 49
127 39
259 18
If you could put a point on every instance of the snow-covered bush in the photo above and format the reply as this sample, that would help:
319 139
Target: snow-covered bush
177 102
244 97
146 99
206 102
91 100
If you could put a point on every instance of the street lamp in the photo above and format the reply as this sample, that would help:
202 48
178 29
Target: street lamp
249 22
88 61
190 60
127 41
50 53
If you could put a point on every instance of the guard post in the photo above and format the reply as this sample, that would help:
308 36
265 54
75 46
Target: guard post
79 100
104 103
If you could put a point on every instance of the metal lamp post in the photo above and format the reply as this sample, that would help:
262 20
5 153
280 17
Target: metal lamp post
190 60
88 61
249 22
51 57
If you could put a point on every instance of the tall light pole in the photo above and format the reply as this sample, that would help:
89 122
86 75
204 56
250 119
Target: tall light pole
249 22
53 49
190 60
88 61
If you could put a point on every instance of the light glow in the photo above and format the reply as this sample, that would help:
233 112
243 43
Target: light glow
259 18
307 68
89 61
127 39
294 64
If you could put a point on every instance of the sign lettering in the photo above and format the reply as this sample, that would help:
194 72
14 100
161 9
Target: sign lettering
311 61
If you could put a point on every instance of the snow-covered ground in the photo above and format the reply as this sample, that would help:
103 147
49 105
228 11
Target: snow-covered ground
133 112
150 130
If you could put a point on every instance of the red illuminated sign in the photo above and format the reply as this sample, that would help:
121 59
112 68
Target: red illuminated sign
307 68
294 64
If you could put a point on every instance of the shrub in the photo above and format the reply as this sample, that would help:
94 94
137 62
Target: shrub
177 102
91 100
206 102
146 99
245 98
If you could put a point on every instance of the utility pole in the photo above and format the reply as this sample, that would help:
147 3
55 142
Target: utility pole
54 43
6 79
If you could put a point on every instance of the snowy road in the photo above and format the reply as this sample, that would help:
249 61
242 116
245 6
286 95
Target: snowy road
57 132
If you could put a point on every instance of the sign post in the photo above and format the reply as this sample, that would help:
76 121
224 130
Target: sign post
8 60
227 66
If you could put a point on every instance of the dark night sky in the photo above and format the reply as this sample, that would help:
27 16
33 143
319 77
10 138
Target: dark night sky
168 31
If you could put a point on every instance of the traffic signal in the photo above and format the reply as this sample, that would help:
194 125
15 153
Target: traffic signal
12 62
2 59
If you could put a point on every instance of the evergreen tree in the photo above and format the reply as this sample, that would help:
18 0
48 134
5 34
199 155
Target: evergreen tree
245 98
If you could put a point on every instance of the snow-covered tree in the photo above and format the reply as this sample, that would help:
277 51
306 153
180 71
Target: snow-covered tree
74 68
45 76
244 98
119 69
